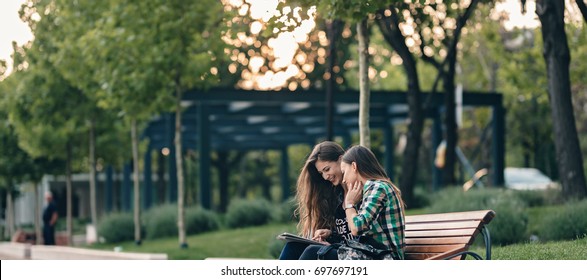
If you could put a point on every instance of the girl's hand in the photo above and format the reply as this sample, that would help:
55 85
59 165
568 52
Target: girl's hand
321 235
354 194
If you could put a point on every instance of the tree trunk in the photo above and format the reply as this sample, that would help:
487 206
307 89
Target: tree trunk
180 179
557 57
161 190
37 216
363 37
389 26
68 195
448 76
332 28
582 8
10 227
450 121
136 182
93 210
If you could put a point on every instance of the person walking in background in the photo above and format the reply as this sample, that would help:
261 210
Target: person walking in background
49 220
319 196
381 213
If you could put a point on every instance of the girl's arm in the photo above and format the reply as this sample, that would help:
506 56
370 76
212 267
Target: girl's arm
373 200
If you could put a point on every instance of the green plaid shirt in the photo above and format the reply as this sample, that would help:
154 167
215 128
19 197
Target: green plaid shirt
380 215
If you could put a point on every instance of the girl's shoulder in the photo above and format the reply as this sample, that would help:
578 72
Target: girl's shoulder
377 182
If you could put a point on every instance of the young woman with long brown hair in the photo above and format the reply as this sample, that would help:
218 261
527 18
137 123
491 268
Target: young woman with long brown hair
319 195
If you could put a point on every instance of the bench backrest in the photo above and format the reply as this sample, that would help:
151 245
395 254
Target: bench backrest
438 236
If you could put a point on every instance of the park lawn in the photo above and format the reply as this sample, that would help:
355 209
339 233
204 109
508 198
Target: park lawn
251 242
559 250
256 242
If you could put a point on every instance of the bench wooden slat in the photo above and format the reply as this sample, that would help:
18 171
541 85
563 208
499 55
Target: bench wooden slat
441 233
418 256
484 215
435 256
433 248
446 254
442 225
438 240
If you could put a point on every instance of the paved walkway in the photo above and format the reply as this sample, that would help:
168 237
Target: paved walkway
7 257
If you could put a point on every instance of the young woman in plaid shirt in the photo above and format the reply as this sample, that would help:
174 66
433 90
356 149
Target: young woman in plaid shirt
381 213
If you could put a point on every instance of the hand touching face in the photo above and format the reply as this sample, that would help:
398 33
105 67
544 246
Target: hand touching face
354 193
352 180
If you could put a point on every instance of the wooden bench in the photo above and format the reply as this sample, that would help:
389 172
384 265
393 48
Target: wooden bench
447 235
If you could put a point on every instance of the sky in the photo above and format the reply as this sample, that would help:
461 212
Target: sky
12 28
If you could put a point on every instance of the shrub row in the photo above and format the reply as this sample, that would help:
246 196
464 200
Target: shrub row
161 221
566 221
509 226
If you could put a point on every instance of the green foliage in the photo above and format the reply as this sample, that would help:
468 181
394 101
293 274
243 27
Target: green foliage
285 212
245 213
350 10
117 227
535 198
510 222
421 199
161 221
565 223
200 220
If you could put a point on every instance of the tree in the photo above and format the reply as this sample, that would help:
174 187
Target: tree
14 162
389 23
356 12
147 56
557 57
46 110
67 59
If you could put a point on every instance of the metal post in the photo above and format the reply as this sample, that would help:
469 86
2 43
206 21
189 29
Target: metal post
204 153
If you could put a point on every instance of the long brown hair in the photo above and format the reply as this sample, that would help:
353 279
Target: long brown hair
369 167
317 198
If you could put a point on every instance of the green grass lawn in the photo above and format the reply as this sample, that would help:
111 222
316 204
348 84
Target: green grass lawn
560 250
256 242
252 242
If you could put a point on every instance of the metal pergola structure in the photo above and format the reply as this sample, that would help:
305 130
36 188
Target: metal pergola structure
231 119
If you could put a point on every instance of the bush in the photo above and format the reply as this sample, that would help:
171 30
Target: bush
565 223
117 227
421 198
510 222
286 211
198 220
537 198
244 213
161 221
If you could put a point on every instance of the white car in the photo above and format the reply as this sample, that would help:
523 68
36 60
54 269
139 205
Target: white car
527 179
